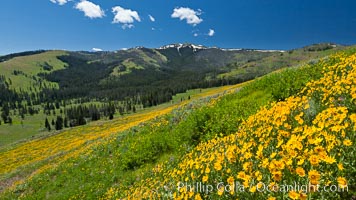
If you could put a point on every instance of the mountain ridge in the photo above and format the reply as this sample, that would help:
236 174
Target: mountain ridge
171 45
128 80
198 65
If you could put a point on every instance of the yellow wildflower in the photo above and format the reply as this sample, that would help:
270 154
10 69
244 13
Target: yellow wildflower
314 160
207 170
220 190
197 197
347 142
303 196
230 180
340 166
205 178
342 182
293 195
277 176
314 177
217 166
300 171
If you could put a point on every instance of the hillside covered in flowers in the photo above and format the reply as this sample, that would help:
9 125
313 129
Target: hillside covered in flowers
299 148
286 135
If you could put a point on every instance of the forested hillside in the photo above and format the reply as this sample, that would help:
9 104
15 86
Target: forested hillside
45 91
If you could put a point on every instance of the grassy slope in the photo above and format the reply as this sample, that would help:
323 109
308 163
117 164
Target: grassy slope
277 61
128 157
307 139
259 97
33 126
31 66
17 163
21 129
129 67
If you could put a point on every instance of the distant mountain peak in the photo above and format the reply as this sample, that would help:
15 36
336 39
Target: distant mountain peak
180 45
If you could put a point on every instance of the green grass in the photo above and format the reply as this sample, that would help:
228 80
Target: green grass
33 126
31 65
129 67
277 61
158 57
100 128
128 156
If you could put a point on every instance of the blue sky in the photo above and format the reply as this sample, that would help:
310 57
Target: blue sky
84 25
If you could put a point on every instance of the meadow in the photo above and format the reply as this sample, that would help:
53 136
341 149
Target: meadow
25 159
247 140
308 138
29 67
33 126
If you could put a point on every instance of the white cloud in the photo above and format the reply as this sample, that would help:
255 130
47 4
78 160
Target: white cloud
60 2
90 9
188 14
152 18
153 29
195 34
96 49
211 32
125 26
126 17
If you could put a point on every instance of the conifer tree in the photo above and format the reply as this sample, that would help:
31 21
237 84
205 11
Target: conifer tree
47 125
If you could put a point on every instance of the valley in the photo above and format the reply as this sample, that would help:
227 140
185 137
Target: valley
75 88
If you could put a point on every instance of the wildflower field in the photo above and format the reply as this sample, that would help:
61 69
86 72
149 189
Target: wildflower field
294 127
20 162
307 139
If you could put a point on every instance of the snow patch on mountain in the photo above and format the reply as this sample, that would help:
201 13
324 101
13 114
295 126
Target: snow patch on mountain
180 46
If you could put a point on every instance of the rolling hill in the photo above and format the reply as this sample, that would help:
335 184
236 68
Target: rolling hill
296 125
41 88
61 73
